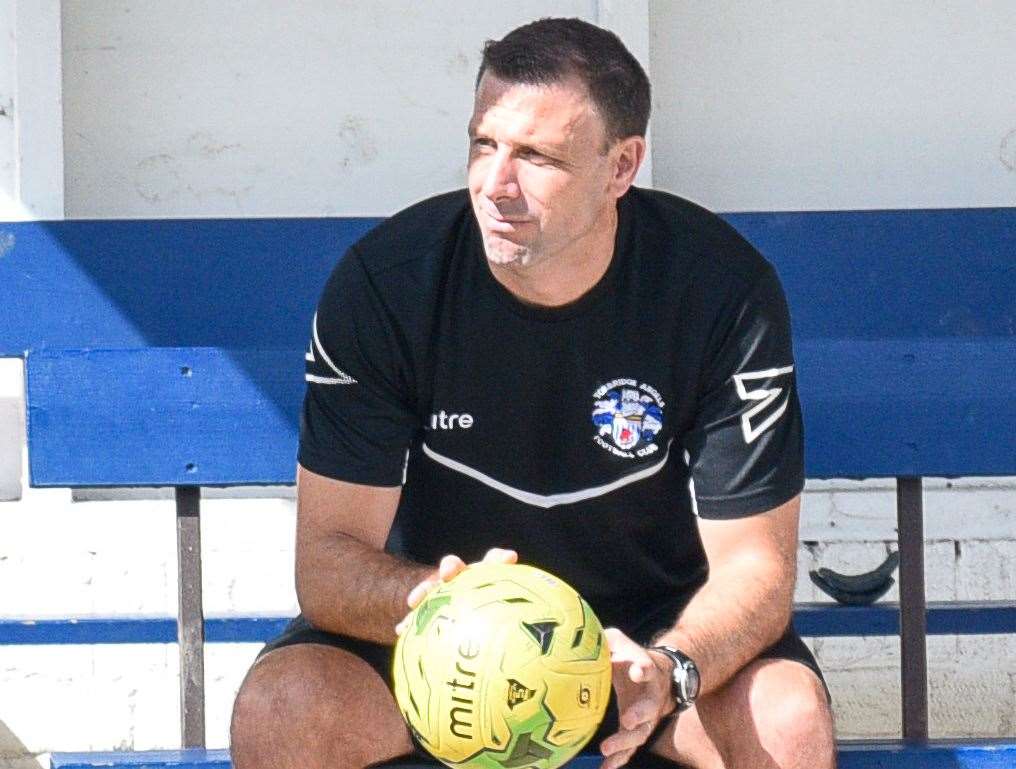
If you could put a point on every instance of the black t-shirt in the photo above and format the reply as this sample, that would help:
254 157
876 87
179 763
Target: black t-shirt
588 436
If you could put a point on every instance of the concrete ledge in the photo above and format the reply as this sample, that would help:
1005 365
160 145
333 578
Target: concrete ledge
12 427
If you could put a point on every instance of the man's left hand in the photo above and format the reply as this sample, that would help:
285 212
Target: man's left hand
642 684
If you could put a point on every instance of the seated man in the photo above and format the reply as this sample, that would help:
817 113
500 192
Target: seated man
555 366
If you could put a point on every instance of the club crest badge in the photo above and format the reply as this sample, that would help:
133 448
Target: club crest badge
628 416
518 693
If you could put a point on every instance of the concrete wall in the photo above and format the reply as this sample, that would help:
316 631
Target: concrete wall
8 83
349 108
835 105
240 109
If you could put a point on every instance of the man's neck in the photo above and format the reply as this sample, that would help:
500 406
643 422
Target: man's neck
561 278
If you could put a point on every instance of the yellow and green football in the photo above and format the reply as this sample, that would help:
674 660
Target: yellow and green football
502 666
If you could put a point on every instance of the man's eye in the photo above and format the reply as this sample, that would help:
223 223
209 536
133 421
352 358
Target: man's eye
535 157
482 143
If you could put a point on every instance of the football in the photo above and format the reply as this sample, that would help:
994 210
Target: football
502 666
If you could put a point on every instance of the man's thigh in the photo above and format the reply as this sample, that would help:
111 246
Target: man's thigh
773 713
313 699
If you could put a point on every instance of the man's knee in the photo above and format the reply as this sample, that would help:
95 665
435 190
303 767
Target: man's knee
790 701
773 713
790 711
276 687
304 705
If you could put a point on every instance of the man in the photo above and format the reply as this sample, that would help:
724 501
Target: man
558 367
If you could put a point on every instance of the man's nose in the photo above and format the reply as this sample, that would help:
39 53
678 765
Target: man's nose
501 182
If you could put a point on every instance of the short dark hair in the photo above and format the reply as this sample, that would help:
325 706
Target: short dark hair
551 50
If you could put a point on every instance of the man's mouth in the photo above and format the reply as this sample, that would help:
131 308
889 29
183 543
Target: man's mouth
498 223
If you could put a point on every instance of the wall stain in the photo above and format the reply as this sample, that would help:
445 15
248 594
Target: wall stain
1007 150
152 170
7 241
357 142
7 110
206 145
457 64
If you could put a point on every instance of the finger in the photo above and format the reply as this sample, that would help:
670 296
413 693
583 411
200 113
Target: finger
641 670
450 566
618 759
500 555
418 593
626 739
619 644
625 650
401 627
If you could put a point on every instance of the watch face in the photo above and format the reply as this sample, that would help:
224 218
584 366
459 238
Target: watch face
692 681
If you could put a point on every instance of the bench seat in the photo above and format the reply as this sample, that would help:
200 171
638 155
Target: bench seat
860 754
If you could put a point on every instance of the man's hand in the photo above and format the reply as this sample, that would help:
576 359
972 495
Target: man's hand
642 685
449 566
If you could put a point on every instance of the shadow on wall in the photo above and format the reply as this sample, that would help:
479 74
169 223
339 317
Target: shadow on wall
13 753
237 284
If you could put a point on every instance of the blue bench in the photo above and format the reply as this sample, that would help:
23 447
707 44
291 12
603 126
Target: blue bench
904 335
860 754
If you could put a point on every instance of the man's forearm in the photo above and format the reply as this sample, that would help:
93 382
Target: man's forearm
345 586
742 609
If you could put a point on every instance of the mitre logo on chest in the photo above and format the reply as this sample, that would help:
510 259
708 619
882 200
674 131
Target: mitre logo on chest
628 416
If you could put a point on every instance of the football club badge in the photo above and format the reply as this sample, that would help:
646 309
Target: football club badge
628 416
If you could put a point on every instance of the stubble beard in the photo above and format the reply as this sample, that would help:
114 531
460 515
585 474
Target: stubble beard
504 253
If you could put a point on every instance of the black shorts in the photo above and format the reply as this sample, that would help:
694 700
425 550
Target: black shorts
299 631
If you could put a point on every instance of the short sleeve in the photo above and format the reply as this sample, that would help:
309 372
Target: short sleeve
746 449
356 423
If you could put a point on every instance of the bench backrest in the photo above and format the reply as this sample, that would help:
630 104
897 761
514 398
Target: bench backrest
205 416
253 283
236 283
904 322
163 416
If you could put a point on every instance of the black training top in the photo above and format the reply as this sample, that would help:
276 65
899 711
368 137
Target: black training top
588 436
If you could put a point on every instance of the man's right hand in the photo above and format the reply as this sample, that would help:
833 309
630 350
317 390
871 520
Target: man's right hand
446 570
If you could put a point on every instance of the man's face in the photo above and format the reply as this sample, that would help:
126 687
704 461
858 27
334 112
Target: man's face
538 176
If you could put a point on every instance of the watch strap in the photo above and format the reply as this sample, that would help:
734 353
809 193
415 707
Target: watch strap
683 691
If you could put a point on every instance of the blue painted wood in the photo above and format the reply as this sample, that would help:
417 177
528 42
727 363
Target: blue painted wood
246 283
184 282
819 620
916 407
148 759
163 416
893 273
938 754
813 620
131 630
940 407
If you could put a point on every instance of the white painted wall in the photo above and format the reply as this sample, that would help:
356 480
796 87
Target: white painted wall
12 427
348 108
38 110
8 84
233 109
799 105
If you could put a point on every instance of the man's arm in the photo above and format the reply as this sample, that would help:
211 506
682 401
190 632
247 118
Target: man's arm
345 582
747 601
743 608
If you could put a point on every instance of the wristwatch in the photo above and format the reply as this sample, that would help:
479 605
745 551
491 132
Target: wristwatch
685 679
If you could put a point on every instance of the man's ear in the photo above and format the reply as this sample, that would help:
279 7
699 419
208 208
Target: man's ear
628 155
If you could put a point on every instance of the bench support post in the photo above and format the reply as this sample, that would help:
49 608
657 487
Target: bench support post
913 620
191 621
